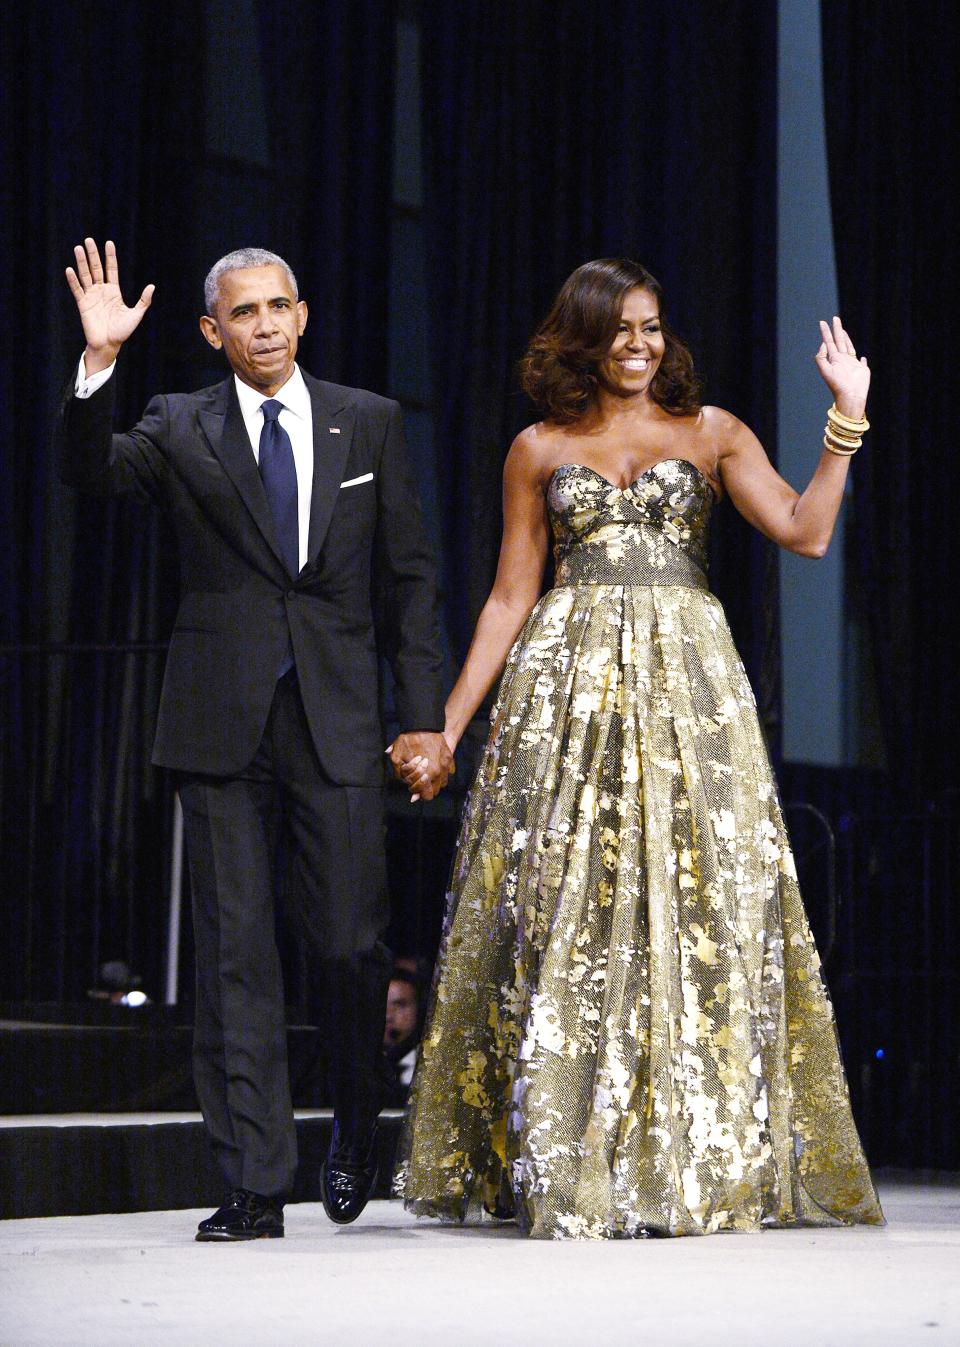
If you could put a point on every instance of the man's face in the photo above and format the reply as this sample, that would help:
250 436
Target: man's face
257 324
401 1013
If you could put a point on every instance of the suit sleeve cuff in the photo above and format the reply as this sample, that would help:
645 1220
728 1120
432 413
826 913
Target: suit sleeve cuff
85 387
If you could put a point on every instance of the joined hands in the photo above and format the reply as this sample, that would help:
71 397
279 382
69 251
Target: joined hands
423 761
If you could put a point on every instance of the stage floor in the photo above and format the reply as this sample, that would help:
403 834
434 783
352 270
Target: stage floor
103 1281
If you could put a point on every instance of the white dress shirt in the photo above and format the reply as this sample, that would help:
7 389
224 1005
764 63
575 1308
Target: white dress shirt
296 419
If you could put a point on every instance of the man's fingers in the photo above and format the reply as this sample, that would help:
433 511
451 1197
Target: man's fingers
93 254
146 298
110 257
83 267
76 289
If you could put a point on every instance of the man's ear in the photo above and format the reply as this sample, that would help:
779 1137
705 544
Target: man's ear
208 326
301 316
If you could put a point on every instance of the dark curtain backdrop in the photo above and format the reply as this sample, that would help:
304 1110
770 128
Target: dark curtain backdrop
891 95
180 130
891 104
556 132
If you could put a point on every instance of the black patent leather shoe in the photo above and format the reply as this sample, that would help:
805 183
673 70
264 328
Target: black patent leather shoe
244 1215
348 1175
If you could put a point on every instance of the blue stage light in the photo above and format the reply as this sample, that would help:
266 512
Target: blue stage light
879 1054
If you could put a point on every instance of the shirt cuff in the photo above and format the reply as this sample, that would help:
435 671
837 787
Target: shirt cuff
86 387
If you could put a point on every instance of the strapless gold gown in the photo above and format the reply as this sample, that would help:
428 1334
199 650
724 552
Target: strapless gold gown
629 1030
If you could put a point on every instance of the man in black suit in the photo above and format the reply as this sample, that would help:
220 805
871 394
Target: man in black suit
303 559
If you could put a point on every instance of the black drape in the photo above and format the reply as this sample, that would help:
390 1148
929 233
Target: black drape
891 96
890 78
556 132
181 131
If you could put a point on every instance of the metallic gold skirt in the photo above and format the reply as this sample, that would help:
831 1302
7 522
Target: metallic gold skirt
629 1030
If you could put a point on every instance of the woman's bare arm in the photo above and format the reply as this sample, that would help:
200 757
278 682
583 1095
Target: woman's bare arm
801 523
516 588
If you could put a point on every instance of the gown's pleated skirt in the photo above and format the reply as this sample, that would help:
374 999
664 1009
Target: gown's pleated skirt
629 1029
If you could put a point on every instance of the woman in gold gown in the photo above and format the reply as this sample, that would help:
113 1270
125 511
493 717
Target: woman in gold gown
629 1033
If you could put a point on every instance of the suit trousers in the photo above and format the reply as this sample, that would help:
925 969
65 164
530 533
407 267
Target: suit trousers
338 899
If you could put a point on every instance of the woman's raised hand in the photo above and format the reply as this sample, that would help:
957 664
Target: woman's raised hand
107 321
847 377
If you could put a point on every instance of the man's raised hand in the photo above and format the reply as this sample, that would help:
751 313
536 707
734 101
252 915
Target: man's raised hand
107 322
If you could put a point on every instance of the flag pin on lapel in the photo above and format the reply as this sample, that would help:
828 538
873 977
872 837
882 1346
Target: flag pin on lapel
334 430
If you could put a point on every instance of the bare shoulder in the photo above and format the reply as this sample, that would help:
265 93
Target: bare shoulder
530 459
727 433
720 423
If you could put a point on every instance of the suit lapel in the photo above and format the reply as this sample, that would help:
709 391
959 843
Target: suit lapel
333 427
227 435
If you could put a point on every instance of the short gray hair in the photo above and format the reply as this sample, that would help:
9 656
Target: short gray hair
237 261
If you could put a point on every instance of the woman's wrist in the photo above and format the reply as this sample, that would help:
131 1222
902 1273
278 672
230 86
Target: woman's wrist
452 732
854 408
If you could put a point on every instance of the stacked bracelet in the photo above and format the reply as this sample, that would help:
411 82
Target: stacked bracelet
843 435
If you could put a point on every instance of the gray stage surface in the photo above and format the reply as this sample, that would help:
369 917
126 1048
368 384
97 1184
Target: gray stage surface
103 1281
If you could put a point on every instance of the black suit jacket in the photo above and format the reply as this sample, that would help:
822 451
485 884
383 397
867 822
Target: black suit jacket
368 588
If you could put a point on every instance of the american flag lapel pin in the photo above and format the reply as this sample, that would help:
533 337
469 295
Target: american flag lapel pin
334 430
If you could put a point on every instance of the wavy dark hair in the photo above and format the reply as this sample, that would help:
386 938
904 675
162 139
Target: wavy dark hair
560 369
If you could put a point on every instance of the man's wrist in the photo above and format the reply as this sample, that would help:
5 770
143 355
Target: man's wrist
86 384
95 361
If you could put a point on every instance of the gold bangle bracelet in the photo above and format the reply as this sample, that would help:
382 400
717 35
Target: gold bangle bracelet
843 439
840 453
847 422
842 432
843 445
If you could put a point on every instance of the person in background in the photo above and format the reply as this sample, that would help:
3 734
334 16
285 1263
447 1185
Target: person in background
401 1035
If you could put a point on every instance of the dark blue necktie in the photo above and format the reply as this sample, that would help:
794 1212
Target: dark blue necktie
280 483
279 475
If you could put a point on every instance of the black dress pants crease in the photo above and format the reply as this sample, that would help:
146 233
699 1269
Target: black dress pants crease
337 897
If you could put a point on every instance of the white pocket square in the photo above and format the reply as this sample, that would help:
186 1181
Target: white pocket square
355 481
